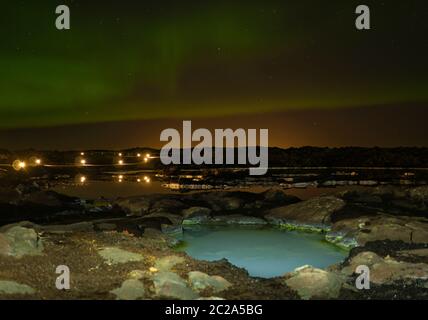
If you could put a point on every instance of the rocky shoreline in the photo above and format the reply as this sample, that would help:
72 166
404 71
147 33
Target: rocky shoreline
123 248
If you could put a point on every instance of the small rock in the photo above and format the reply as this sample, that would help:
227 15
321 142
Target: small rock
200 281
12 287
172 229
114 255
171 285
196 220
313 283
193 212
168 262
131 289
18 241
136 206
102 203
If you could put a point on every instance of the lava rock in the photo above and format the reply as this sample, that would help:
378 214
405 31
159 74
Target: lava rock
114 255
170 285
313 283
12 287
317 210
19 241
131 289
200 281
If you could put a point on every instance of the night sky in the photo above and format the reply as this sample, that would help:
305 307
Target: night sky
129 69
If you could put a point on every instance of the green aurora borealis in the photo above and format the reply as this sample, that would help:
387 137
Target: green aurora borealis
143 60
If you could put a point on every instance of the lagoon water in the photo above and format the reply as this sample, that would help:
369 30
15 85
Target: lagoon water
264 252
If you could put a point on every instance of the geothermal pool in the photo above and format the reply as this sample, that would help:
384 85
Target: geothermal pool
264 252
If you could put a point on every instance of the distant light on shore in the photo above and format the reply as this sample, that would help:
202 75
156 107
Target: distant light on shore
18 165
83 161
120 162
34 161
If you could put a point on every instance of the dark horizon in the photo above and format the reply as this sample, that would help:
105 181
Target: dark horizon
367 127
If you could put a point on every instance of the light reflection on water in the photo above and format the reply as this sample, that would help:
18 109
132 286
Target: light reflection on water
127 187
264 252
94 189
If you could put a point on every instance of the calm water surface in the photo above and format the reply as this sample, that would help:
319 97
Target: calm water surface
94 189
264 252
